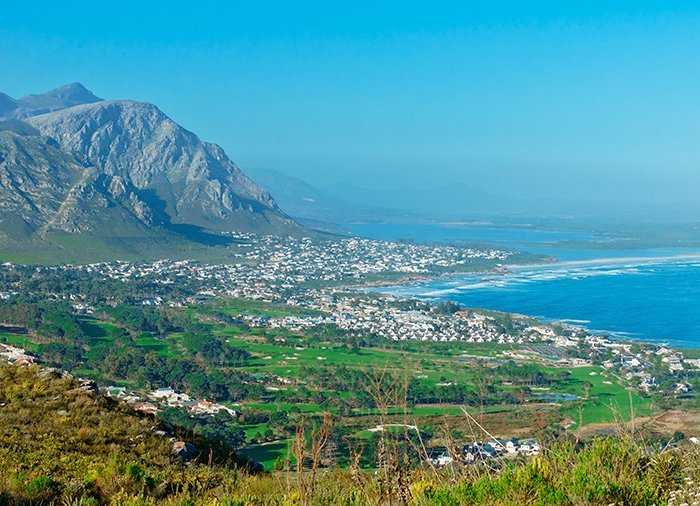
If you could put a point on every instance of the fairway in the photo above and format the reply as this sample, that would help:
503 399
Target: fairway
268 453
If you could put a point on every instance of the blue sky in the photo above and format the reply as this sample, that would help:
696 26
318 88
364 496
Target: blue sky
588 99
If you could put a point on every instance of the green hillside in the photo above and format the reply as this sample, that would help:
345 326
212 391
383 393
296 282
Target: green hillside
59 441
61 445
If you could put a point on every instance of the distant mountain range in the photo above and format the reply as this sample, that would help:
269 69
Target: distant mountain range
454 200
80 172
317 208
54 100
344 203
82 179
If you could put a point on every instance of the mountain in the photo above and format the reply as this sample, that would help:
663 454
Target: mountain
7 104
39 184
167 174
480 201
314 207
53 100
455 200
117 172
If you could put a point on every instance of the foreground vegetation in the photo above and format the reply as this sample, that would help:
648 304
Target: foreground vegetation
60 444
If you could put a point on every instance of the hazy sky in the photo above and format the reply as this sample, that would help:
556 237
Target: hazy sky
582 98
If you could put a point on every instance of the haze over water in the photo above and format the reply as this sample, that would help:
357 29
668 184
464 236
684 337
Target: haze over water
645 294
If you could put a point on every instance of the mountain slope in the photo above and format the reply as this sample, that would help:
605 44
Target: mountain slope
120 171
52 208
36 180
177 176
80 444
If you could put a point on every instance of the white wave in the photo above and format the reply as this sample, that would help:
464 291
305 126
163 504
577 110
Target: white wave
544 275
438 293
476 286
613 333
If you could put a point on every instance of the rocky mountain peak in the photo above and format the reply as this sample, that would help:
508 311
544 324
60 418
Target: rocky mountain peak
56 99
73 94
98 165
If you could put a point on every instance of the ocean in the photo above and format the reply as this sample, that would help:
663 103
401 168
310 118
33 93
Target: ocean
653 294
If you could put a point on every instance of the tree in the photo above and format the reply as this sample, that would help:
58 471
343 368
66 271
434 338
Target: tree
447 307
230 435
587 385
197 383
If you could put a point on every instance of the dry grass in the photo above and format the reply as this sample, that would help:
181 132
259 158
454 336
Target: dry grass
101 454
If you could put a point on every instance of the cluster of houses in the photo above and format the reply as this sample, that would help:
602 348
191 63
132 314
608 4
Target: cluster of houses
14 355
162 398
283 269
496 448
270 266
671 358
387 317
637 366
280 269
6 295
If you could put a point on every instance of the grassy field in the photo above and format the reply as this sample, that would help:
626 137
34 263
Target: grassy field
609 397
20 340
103 453
268 453
692 353
235 307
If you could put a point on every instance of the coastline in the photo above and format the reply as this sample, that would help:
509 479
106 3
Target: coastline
615 335
609 260
505 269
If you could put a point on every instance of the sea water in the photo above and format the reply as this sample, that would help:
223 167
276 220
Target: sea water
647 294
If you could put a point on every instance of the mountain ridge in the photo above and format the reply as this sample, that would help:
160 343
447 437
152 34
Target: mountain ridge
60 98
310 204
86 168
